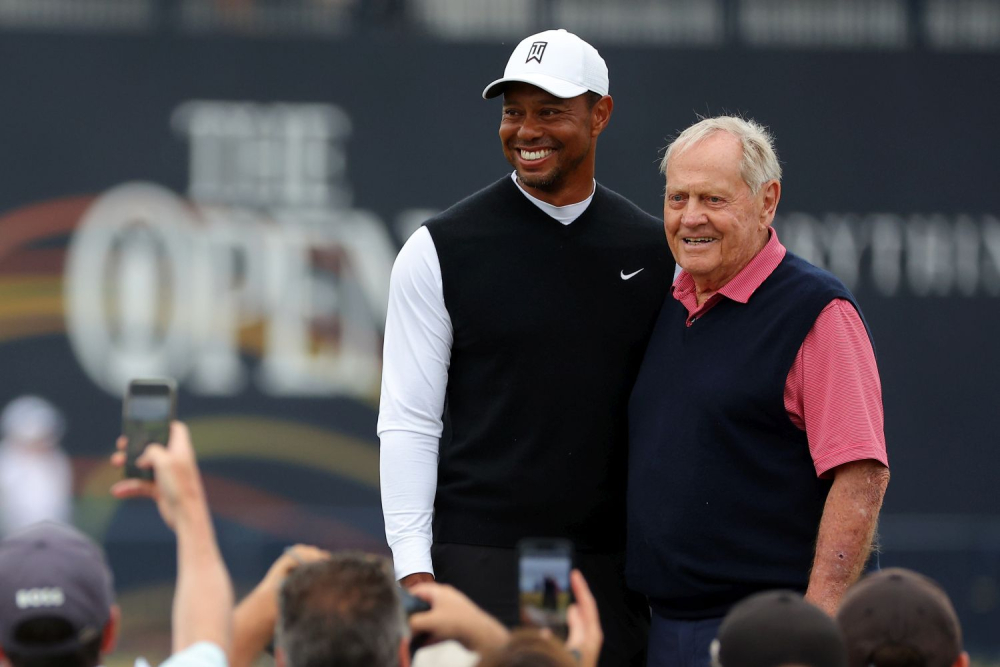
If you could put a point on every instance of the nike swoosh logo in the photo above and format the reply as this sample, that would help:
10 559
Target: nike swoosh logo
626 276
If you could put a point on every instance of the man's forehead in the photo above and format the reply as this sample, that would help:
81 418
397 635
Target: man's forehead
719 152
718 142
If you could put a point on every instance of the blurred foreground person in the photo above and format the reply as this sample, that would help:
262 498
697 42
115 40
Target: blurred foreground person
256 616
36 480
344 611
57 604
900 618
521 314
776 629
355 617
757 456
347 610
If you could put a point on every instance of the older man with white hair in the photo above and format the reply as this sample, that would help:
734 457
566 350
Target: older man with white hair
757 456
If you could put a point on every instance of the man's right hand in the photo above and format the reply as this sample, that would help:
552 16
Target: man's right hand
585 634
412 580
454 616
177 487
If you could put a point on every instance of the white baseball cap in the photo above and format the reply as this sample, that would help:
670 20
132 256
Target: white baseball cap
556 61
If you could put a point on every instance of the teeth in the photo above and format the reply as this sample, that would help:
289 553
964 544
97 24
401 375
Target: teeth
535 155
699 240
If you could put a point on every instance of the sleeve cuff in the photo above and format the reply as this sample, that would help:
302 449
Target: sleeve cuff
411 555
839 457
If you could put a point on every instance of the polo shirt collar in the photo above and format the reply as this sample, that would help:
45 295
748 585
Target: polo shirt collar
745 283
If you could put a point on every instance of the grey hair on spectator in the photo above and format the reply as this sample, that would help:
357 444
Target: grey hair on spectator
760 162
345 611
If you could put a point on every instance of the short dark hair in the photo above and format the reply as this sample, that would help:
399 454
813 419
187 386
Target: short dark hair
899 618
592 98
798 633
49 630
344 611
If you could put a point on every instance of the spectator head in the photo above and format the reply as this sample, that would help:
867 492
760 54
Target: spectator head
343 611
778 628
528 648
899 618
56 598
31 419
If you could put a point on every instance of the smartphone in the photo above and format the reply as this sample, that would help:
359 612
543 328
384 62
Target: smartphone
544 565
148 409
411 603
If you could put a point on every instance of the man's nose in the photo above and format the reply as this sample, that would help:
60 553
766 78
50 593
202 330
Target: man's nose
693 213
529 129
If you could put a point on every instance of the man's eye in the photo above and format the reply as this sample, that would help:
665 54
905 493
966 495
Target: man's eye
676 198
715 200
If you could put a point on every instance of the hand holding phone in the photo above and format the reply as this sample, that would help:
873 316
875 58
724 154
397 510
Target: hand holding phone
452 615
544 583
177 487
148 409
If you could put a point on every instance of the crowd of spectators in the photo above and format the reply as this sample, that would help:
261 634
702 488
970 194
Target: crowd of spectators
313 608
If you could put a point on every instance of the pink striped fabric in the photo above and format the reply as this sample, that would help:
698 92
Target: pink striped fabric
833 391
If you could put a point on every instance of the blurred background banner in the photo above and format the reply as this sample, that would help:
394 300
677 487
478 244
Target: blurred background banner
215 191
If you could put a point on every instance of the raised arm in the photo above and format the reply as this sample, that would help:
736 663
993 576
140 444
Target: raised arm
416 356
255 616
203 597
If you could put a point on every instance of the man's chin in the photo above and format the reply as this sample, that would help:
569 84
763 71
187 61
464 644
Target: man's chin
543 182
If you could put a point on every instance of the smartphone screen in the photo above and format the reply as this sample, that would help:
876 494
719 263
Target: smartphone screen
544 567
147 411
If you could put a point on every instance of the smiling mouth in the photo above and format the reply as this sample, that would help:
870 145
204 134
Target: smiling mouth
532 155
703 240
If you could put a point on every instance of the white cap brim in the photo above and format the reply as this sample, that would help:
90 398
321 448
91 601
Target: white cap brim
558 87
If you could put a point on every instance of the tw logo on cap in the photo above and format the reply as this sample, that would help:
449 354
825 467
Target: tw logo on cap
536 52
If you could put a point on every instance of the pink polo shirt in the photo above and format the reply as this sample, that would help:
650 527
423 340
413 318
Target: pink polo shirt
833 391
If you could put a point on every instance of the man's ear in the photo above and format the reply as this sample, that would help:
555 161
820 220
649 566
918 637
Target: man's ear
601 115
962 660
109 636
3 657
279 657
404 652
771 195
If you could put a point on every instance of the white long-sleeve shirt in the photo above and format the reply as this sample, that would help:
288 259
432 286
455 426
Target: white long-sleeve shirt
415 361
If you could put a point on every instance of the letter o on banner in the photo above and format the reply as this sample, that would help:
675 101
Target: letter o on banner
126 281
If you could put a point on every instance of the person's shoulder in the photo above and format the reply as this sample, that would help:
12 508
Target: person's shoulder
809 272
809 278
485 199
624 209
416 253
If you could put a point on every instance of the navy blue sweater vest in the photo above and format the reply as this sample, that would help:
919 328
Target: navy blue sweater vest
723 497
548 339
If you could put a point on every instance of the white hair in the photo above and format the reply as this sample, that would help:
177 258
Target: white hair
760 162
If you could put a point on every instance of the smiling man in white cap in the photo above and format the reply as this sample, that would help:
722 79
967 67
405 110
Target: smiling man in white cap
521 314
